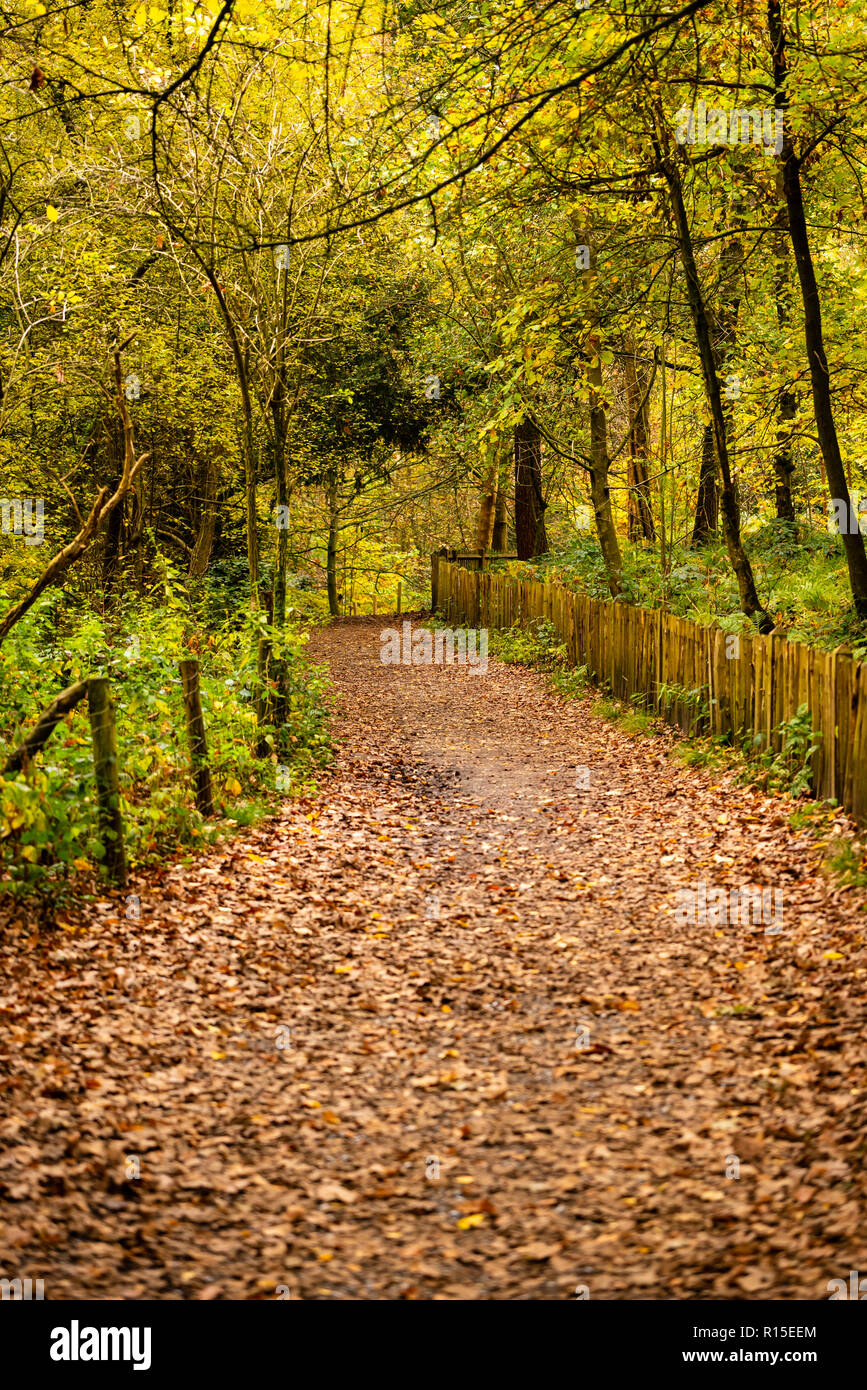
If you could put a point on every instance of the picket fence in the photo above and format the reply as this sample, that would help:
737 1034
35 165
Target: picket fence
754 689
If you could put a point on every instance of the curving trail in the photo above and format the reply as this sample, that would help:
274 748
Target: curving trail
435 932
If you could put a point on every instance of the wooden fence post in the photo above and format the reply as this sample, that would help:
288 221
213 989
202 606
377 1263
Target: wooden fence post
265 712
196 731
107 781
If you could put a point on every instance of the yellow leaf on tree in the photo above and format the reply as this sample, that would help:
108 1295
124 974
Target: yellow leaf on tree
51 213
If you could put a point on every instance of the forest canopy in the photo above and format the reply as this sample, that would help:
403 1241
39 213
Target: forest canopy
292 295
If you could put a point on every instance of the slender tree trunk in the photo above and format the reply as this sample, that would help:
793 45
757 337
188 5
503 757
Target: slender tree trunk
282 480
209 482
331 558
600 494
704 332
500 539
242 369
724 330
787 402
787 406
112 553
640 510
707 503
487 506
529 501
853 540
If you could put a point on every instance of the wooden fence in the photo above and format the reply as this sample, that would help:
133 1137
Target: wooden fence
467 559
743 686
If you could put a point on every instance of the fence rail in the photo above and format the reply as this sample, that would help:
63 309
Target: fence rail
750 686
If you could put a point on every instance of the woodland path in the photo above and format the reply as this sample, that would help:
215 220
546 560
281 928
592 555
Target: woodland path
418 1037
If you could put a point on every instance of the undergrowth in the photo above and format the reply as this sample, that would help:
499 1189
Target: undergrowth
49 831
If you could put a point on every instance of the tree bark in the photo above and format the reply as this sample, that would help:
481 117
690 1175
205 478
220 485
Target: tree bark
707 503
500 538
197 738
331 555
639 508
600 494
487 506
529 501
242 369
209 482
853 540
105 768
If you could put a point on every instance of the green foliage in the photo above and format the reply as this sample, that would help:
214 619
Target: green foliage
48 825
538 646
694 701
846 859
802 580
535 644
788 770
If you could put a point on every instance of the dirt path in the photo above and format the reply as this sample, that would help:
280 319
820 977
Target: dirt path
434 933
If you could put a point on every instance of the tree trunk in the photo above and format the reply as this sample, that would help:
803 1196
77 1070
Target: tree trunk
500 539
724 331
704 332
105 767
331 557
639 509
787 405
787 401
197 737
242 369
209 482
600 494
707 503
487 506
853 541
282 480
529 501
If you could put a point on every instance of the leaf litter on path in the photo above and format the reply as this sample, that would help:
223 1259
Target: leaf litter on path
438 1033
